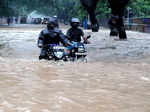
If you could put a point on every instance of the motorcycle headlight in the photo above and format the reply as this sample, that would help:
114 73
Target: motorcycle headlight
58 51
59 54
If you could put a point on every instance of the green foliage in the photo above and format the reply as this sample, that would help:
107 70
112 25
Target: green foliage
102 9
66 8
141 8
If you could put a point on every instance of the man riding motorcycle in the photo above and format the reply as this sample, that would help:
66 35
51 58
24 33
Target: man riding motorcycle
50 35
75 33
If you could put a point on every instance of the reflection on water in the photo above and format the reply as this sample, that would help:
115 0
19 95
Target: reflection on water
29 85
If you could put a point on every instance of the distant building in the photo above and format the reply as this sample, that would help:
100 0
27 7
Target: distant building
3 20
35 18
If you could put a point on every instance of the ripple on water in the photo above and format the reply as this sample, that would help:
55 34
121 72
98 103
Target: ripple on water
27 84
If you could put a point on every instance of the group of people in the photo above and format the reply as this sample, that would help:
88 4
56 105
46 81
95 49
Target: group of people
52 35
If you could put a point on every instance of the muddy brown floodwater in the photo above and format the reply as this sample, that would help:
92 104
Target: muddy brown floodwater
115 79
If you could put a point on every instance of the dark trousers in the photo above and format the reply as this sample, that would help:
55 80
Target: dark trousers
43 54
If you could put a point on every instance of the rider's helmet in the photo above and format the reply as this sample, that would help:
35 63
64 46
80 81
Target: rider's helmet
75 22
56 21
51 23
55 17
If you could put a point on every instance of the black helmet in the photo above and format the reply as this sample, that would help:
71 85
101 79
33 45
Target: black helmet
75 22
55 17
51 23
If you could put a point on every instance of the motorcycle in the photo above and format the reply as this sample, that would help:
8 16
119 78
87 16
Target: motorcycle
70 53
78 50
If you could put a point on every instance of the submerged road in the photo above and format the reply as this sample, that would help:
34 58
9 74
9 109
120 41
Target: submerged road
115 79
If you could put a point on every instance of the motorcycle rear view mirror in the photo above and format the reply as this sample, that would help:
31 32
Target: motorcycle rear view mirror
89 36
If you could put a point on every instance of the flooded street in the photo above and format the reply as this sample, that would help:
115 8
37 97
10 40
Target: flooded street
115 79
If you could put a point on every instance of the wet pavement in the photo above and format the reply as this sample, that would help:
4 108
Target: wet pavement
115 79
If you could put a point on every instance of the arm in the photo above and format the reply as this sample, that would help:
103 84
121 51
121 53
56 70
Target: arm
68 34
40 40
85 39
82 35
64 39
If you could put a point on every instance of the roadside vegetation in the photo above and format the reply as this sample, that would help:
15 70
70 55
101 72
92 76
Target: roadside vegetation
67 8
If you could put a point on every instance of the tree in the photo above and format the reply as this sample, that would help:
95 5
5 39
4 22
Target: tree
66 8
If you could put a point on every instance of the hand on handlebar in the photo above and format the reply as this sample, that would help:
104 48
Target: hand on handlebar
86 42
40 45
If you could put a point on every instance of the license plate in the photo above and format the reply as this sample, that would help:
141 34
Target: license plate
81 53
